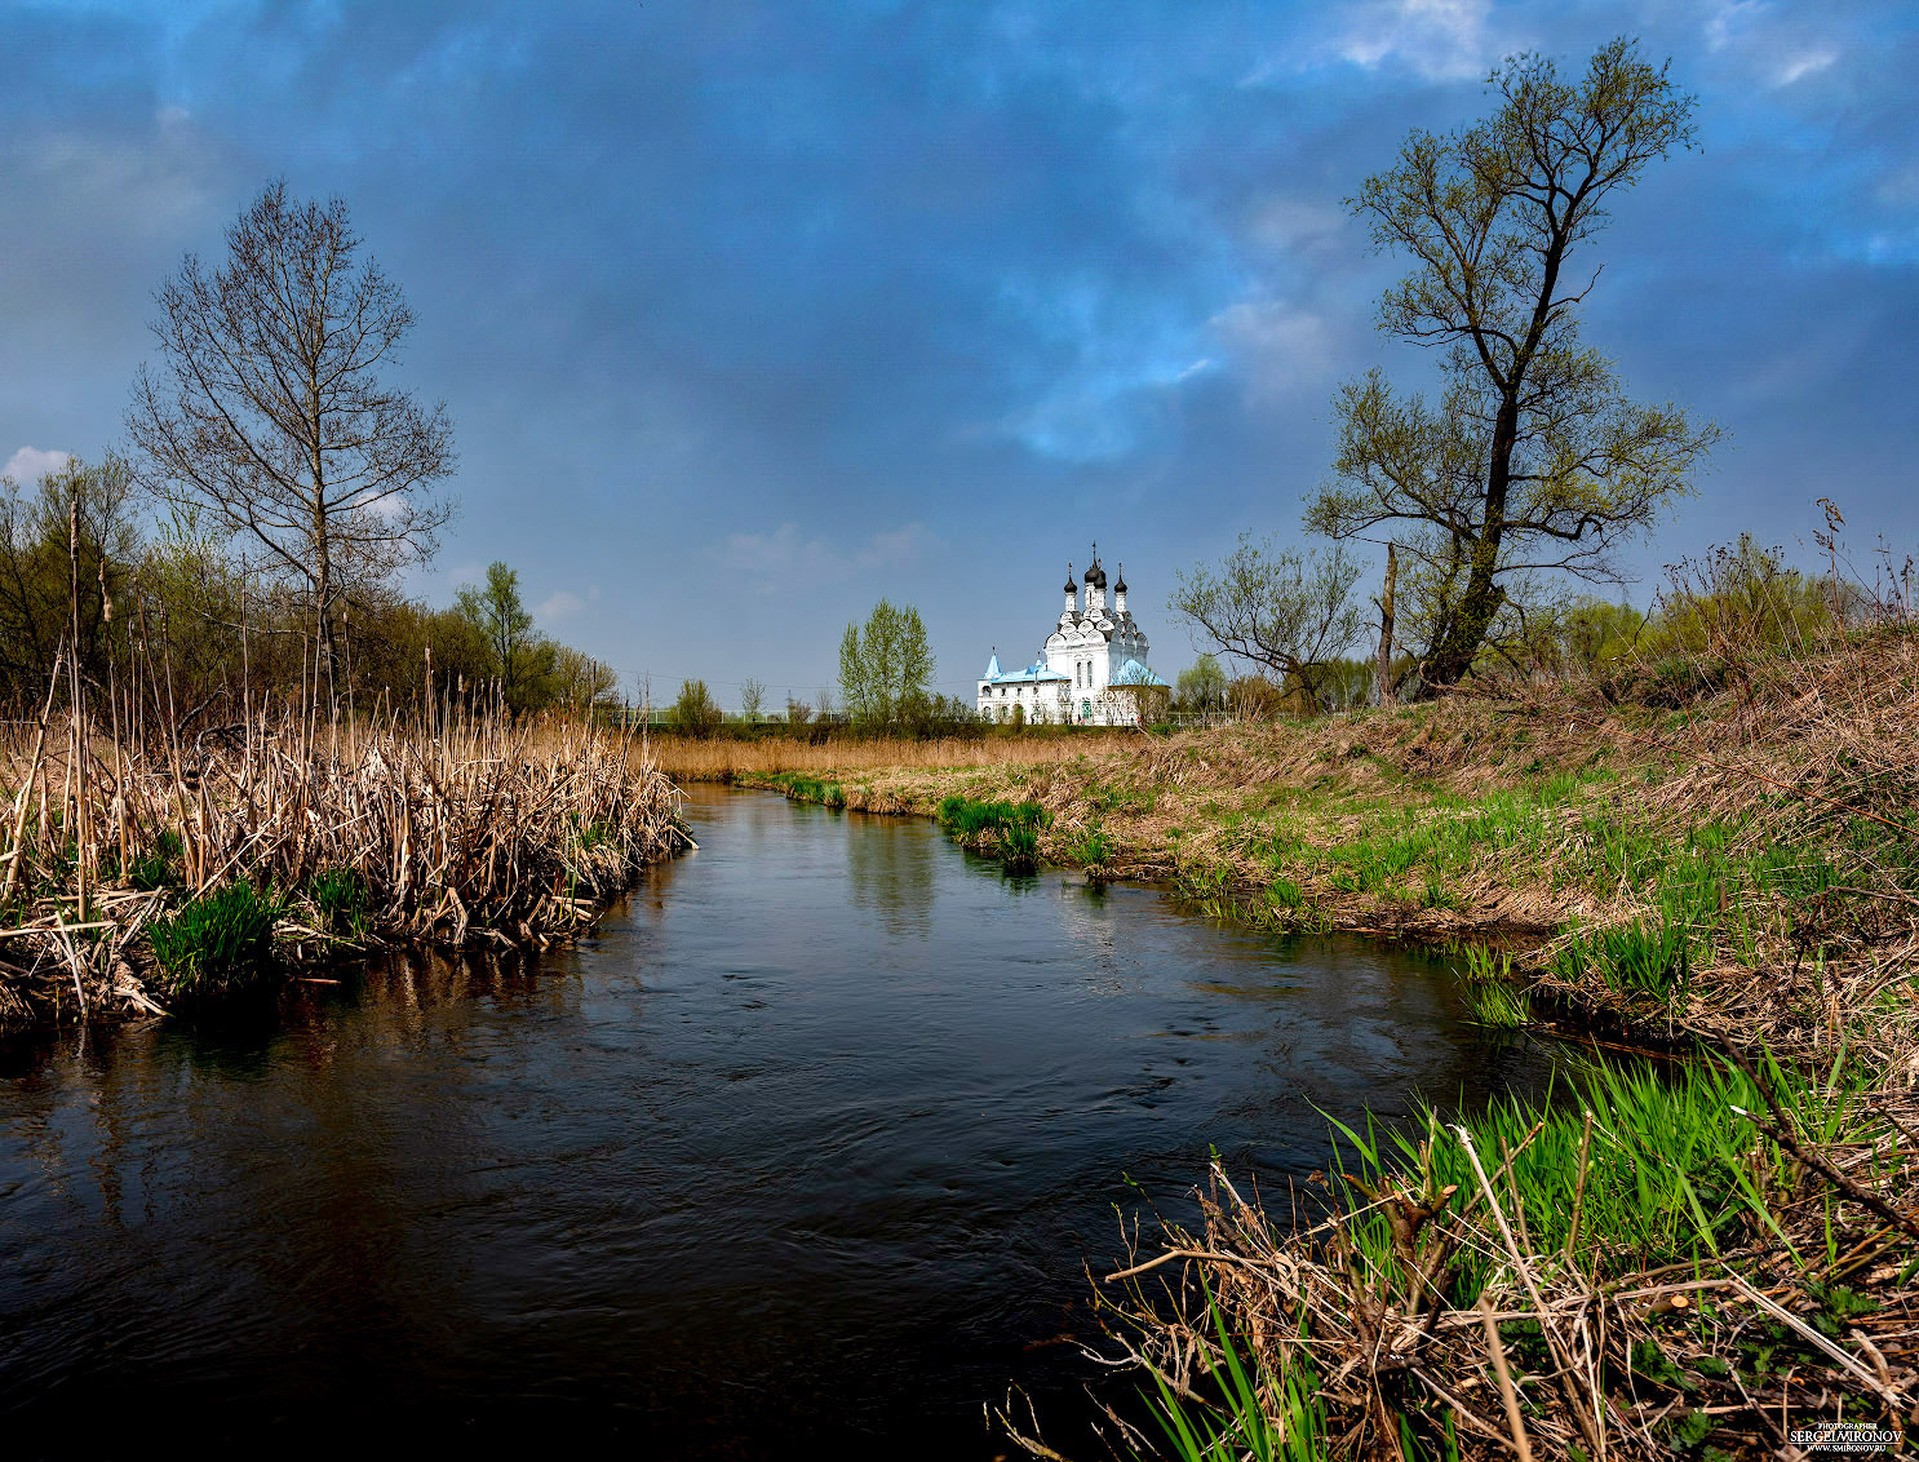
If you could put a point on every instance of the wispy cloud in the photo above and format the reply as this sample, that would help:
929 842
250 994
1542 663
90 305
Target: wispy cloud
30 464
563 605
788 558
1278 346
1440 40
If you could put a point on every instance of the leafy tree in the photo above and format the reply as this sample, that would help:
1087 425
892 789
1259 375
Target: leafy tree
886 667
695 712
752 697
1344 684
78 509
1256 698
1533 461
517 654
1202 687
1283 610
268 409
581 683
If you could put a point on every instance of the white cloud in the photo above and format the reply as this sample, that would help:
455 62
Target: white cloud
556 607
1441 40
30 464
1281 346
1804 63
787 557
1726 18
1777 49
1302 227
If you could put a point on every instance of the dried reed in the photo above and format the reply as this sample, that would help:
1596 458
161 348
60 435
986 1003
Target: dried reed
724 760
477 830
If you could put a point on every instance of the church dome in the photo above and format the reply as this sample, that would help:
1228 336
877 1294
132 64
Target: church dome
1071 587
1096 576
1119 586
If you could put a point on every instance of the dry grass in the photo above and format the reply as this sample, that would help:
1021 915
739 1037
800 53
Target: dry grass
479 831
1733 867
727 760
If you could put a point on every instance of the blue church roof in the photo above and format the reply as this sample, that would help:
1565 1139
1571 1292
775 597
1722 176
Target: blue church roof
1033 674
1134 673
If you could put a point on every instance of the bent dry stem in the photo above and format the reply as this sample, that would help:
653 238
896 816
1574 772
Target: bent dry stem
332 837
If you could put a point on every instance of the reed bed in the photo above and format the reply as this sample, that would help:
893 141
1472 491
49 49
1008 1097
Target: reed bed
723 759
124 862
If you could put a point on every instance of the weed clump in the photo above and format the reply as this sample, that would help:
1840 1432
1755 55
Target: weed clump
218 945
1450 1254
340 901
1007 830
811 789
159 866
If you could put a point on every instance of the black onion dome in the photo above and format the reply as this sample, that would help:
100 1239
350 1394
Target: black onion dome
1072 587
1096 576
1119 584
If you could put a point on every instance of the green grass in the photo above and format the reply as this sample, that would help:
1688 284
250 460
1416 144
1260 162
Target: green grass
1233 1423
1643 958
1019 850
967 819
1645 1169
159 866
340 899
1009 830
1091 849
801 788
1500 1006
217 945
1672 1172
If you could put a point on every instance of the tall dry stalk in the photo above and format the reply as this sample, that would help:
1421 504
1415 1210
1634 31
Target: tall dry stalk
483 831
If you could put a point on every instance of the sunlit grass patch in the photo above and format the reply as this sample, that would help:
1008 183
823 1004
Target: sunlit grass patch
218 944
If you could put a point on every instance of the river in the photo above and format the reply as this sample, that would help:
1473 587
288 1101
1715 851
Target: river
803 1148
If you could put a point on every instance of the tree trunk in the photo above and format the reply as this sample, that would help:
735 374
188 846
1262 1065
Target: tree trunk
1453 656
323 604
1383 674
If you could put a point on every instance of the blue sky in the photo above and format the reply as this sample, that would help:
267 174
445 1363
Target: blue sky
750 313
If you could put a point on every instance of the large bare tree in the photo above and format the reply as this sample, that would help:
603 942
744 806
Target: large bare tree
268 408
1534 462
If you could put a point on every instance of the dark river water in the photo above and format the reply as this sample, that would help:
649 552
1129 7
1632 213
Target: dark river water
800 1154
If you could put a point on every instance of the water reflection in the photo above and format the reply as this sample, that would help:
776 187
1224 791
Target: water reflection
889 874
805 1147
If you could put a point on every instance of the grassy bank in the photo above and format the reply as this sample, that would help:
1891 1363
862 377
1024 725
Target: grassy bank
152 877
1715 858
1746 863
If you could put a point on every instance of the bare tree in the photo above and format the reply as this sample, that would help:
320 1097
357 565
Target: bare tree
1278 608
268 409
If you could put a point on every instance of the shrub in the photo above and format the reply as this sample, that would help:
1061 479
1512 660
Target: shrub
217 945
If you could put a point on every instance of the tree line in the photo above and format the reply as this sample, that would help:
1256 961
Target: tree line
144 596
246 546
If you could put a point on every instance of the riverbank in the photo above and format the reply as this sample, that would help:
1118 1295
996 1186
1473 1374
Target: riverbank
1718 860
1744 863
143 879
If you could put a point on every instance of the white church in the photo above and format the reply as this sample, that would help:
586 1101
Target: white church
1091 655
